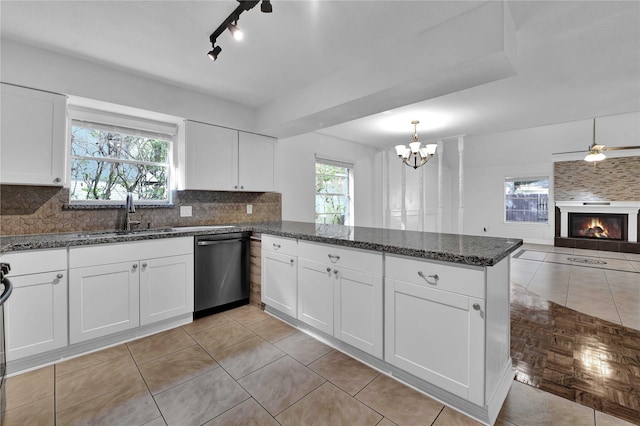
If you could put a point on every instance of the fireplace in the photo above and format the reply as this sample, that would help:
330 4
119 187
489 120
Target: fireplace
601 226
598 225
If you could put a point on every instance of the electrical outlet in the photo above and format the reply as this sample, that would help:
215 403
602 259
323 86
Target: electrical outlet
185 211
249 208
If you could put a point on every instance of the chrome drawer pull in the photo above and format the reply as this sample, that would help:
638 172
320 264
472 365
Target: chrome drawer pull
335 271
291 260
328 269
276 246
59 276
476 306
334 258
435 277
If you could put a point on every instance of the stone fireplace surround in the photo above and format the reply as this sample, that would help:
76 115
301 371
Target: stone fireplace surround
630 208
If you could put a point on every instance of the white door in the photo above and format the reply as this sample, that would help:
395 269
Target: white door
33 132
103 300
358 311
437 336
279 282
36 314
315 295
166 288
256 162
212 157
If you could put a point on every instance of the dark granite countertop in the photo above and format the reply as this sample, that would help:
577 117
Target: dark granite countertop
464 249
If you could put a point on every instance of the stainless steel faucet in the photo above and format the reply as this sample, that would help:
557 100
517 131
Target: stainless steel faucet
129 208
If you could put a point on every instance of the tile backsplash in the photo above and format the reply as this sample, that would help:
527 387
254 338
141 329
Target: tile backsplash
614 179
43 210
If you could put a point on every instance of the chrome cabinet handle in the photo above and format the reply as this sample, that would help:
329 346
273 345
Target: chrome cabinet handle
328 269
144 265
333 258
476 306
435 277
291 261
276 246
335 271
57 180
135 266
59 276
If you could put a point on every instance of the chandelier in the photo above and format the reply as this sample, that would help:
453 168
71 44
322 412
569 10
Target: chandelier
414 156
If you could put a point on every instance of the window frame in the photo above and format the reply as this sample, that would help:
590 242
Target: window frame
349 215
524 179
131 125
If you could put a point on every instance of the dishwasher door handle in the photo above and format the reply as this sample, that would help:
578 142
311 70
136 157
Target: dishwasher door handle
213 242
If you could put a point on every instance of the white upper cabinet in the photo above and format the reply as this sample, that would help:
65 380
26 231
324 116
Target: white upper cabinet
256 166
211 157
221 159
32 139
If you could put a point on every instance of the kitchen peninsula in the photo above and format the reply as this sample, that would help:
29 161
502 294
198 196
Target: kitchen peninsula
429 309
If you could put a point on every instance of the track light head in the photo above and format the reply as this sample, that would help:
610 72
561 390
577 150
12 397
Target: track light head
235 31
265 6
213 54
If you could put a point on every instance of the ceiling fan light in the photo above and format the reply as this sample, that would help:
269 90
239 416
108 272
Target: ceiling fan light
594 156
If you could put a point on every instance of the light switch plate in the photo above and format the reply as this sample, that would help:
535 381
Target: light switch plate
185 211
249 208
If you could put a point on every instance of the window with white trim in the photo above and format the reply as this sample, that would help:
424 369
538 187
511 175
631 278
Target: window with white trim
334 192
107 161
527 199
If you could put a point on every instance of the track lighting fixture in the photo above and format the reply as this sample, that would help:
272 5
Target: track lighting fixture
265 6
231 23
213 54
235 31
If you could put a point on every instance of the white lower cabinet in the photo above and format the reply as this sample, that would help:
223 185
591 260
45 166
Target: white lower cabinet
279 275
432 332
315 295
340 293
164 289
111 289
36 312
103 299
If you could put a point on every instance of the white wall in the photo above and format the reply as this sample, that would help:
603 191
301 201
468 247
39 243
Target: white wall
45 70
296 176
489 159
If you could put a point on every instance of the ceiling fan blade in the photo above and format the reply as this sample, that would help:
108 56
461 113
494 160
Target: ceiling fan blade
619 148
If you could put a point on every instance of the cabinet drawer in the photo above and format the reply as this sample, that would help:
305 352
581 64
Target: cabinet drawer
36 261
359 260
104 254
462 279
288 246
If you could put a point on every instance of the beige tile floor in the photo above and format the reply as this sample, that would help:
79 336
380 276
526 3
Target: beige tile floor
244 367
607 287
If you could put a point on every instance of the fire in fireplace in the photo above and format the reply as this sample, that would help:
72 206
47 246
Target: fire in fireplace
609 226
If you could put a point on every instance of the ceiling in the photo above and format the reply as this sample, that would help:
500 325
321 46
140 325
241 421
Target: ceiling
363 70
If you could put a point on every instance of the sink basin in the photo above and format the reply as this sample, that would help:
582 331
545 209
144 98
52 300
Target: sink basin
200 228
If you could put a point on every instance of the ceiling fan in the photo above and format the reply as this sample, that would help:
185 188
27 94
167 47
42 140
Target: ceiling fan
596 150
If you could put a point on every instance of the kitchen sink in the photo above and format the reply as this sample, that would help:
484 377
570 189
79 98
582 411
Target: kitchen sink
200 228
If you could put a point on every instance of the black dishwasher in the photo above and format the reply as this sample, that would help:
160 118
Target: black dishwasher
221 272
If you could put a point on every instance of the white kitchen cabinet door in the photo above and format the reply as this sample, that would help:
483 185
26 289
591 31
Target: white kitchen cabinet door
211 157
279 282
166 288
257 156
315 295
437 336
36 314
103 299
358 310
33 133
